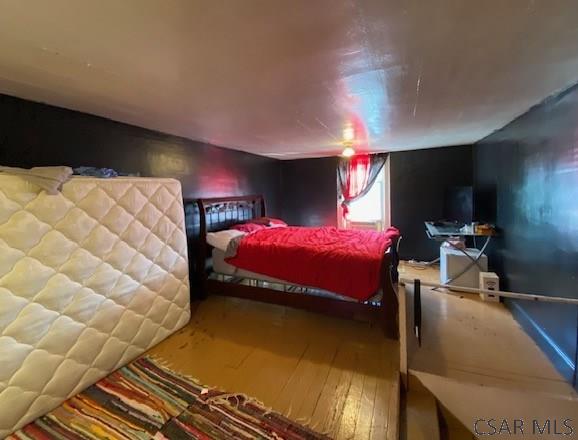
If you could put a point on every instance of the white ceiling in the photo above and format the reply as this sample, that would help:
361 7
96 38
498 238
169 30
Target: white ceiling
283 77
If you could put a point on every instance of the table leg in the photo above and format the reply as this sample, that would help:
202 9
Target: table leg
474 260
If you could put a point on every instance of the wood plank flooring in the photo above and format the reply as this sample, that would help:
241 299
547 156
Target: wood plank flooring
338 376
466 338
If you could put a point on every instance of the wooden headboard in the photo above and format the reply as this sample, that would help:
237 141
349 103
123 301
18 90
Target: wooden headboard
211 215
221 213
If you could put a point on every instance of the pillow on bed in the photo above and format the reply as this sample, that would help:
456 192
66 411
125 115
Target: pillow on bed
221 239
269 221
248 227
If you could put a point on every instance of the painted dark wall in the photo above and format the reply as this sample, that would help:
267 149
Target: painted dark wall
418 182
309 191
531 167
33 134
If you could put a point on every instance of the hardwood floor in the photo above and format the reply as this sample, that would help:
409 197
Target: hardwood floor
478 361
338 376
465 336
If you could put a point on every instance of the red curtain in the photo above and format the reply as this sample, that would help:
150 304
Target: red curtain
356 176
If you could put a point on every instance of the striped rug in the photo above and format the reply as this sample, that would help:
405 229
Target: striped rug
145 400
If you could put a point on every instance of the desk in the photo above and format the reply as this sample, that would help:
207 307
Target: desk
443 231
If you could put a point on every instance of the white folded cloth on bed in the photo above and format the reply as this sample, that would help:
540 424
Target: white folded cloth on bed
50 179
221 239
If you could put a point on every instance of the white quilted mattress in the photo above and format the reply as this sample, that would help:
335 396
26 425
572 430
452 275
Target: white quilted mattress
89 279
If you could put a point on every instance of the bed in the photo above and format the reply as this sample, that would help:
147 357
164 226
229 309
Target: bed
90 278
216 274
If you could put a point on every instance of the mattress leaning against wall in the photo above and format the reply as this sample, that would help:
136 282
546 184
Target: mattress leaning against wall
89 279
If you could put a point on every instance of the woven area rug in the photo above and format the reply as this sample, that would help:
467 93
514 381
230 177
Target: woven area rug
145 400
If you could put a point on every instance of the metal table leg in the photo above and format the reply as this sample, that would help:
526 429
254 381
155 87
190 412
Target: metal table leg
474 260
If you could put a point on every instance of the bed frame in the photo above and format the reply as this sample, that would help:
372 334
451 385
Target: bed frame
216 214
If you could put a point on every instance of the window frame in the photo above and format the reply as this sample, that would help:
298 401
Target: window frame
385 221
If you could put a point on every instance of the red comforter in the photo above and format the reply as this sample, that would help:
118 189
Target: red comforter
343 261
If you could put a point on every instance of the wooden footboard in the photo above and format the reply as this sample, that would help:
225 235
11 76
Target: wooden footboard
389 303
312 303
385 313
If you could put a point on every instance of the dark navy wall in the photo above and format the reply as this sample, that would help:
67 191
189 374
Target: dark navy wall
33 134
531 168
309 191
419 180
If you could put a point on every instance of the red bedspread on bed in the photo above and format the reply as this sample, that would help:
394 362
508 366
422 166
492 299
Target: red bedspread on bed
343 261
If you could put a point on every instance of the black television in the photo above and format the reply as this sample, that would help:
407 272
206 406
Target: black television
459 204
485 204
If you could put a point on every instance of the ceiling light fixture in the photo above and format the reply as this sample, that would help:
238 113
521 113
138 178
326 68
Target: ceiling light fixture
348 133
348 152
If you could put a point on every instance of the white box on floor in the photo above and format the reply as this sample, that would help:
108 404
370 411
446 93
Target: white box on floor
489 281
453 261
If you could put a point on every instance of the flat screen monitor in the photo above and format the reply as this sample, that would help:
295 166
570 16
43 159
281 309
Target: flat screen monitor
459 204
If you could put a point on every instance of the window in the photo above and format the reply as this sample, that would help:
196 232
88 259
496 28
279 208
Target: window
369 208
372 210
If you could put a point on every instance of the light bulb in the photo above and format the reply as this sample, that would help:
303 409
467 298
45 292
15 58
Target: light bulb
348 152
